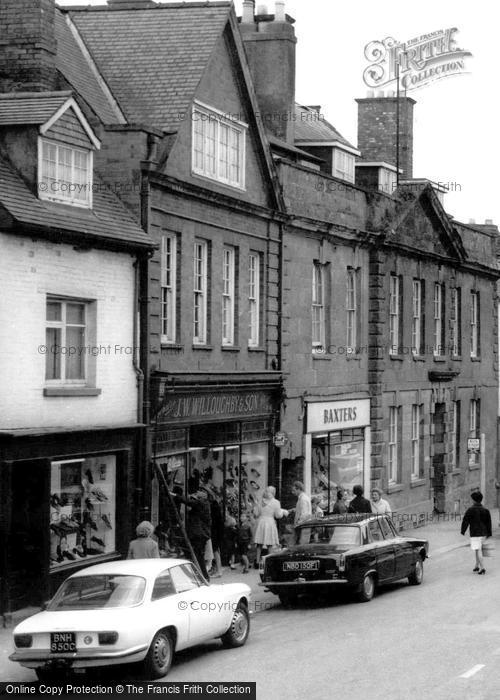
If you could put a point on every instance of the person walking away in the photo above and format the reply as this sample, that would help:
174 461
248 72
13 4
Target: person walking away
144 546
379 505
199 524
302 510
339 507
478 519
359 503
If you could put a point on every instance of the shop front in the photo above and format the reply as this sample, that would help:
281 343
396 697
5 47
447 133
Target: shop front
219 437
70 504
337 448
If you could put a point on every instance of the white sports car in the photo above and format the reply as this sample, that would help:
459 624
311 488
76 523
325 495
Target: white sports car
140 610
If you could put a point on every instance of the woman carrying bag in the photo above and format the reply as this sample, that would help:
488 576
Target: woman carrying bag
478 519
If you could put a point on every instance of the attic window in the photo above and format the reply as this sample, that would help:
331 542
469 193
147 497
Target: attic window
65 174
218 147
387 180
343 165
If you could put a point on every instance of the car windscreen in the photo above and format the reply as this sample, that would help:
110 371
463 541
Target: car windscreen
342 535
99 591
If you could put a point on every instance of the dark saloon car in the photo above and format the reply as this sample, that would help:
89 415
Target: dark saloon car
358 551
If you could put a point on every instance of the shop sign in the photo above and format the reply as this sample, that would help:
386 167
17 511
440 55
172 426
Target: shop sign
218 404
280 439
337 415
473 445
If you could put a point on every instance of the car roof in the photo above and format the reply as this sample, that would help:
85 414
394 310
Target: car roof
341 519
131 567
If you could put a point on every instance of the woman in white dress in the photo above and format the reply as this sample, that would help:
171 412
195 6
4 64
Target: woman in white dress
266 531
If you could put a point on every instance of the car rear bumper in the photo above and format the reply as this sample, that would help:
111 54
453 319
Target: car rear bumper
34 658
320 582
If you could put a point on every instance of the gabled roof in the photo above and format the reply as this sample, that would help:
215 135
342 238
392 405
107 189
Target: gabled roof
30 107
311 127
74 63
42 109
108 220
164 49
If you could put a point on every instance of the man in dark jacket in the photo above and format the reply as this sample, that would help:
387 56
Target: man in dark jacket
478 519
199 523
359 504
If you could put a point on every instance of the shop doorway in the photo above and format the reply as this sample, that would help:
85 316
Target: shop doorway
438 466
337 461
27 544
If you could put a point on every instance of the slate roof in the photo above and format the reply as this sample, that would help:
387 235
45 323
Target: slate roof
313 127
75 67
108 219
30 107
152 59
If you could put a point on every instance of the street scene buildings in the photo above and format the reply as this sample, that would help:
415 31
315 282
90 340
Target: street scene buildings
205 283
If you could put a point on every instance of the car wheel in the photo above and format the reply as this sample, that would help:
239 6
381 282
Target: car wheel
239 629
417 573
160 655
288 600
367 590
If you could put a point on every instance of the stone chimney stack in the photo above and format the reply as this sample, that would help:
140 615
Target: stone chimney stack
269 42
27 45
377 130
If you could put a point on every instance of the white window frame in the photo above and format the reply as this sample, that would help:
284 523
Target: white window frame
394 313
228 294
318 333
254 299
352 309
343 165
386 180
168 284
455 434
416 325
474 323
65 349
415 441
200 291
393 446
455 321
473 411
438 349
58 189
211 150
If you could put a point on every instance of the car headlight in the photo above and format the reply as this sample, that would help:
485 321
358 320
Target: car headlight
23 641
108 637
342 563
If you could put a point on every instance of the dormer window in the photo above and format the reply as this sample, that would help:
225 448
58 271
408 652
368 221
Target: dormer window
218 149
65 174
343 165
387 180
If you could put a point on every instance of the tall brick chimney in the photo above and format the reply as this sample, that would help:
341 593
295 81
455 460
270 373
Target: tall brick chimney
377 132
270 48
27 45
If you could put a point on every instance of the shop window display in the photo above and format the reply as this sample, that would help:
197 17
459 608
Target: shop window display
82 509
337 462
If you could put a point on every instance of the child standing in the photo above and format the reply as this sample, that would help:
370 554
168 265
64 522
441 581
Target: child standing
243 541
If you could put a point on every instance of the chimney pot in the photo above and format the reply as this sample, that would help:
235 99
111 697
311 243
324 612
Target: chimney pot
488 222
370 93
279 12
247 16
262 10
380 93
472 221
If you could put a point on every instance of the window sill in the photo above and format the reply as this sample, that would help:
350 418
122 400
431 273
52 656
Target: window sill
417 482
475 359
456 358
419 358
171 346
393 488
353 356
202 347
255 348
474 467
71 391
439 358
230 348
456 472
320 358
397 358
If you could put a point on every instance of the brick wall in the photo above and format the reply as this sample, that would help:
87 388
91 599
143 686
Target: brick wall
377 131
32 269
27 45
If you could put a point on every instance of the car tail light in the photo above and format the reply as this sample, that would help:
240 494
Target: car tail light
342 563
108 637
23 641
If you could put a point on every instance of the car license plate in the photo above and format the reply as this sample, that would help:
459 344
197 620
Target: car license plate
62 642
301 566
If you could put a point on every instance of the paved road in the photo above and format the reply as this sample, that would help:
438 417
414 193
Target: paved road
439 641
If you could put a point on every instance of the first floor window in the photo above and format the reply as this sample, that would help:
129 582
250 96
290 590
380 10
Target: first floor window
456 321
65 173
254 299
455 436
168 288
318 308
352 309
416 441
228 295
200 286
393 457
65 339
394 314
439 326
